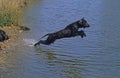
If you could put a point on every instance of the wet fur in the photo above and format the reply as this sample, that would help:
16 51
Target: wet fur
69 31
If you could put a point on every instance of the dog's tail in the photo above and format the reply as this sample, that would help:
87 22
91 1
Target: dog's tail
44 36
40 40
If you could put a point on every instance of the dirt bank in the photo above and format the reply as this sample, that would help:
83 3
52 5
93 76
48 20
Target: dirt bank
11 15
14 35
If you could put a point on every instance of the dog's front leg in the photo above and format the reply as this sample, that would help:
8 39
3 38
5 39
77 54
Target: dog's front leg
81 33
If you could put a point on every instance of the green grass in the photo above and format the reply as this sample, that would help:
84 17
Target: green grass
5 19
11 11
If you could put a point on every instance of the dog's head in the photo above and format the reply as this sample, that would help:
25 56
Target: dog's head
83 23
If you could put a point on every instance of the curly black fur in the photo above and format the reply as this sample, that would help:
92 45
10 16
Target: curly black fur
70 30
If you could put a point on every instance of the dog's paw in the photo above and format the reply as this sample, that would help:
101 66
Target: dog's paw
83 35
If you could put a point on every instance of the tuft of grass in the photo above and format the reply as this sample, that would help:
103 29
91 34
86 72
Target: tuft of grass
5 19
11 11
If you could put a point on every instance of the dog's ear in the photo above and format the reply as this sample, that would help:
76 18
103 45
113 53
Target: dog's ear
80 21
82 18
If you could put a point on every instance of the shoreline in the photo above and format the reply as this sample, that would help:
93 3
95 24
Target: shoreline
14 35
12 25
13 28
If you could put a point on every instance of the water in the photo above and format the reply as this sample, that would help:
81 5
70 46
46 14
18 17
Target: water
95 56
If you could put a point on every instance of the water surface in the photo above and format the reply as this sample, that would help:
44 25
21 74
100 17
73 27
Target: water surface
95 56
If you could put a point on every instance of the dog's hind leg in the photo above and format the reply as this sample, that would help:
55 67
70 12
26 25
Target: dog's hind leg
41 42
46 42
38 43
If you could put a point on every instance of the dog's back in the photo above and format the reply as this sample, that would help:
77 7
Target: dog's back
62 33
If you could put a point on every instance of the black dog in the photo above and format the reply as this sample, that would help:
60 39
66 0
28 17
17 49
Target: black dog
3 36
69 31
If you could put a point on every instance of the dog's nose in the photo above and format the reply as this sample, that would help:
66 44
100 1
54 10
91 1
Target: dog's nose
88 25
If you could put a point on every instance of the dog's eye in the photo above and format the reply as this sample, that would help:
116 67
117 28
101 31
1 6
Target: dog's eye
84 22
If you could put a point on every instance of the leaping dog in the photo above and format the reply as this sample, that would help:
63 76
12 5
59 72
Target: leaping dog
70 30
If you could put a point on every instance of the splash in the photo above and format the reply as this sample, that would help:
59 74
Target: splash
29 42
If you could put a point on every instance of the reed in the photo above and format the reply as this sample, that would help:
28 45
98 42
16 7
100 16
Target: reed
11 11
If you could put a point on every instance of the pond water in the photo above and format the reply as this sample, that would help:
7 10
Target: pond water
95 56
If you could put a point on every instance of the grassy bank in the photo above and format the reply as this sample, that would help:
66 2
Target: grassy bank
11 11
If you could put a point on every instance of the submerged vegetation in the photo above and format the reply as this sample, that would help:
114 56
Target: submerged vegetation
11 11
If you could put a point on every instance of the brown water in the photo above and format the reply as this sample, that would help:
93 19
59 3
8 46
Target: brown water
95 56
